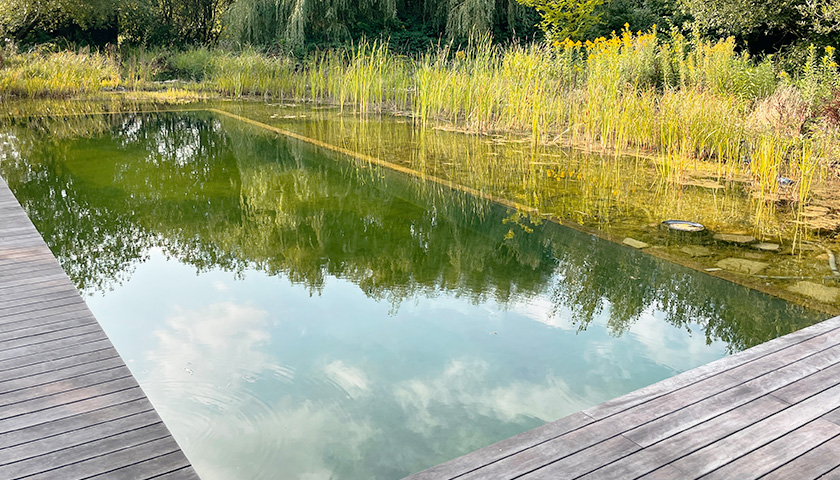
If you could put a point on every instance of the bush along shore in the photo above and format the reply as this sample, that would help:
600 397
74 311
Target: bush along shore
680 100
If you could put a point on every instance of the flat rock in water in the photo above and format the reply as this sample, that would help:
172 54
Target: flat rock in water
826 224
813 211
635 243
816 291
733 238
696 251
767 247
703 183
741 265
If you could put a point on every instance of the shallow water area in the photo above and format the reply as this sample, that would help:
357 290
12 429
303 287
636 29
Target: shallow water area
294 313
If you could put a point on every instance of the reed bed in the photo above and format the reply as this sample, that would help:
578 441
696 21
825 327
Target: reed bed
57 74
681 100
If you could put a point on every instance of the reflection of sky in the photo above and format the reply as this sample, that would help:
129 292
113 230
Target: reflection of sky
259 379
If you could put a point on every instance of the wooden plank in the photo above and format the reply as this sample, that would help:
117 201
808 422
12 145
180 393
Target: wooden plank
777 453
24 276
182 474
677 382
653 457
51 276
157 467
52 327
811 464
795 393
759 434
33 308
59 391
684 418
116 459
39 348
107 395
54 354
504 449
85 357
654 403
584 462
832 416
24 320
18 268
74 422
78 437
588 436
69 407
56 375
48 337
72 459
46 322
54 281
32 296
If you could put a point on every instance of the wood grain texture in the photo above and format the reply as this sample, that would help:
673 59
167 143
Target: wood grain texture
69 406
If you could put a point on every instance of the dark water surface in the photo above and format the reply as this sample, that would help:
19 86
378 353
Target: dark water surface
295 314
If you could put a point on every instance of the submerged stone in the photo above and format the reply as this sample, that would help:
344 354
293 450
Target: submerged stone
696 251
733 238
767 247
683 226
816 291
632 242
741 265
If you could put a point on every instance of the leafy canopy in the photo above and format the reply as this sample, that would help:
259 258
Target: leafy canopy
563 19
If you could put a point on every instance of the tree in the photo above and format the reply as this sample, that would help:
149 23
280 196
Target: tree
18 18
768 25
563 19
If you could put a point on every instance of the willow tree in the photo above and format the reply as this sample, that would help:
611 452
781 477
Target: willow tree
463 18
292 22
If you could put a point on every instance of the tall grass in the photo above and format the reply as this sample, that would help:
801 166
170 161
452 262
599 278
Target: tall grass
683 100
57 74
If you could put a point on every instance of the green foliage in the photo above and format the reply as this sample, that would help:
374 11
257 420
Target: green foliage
191 64
291 23
19 18
566 18
820 79
780 25
171 22
39 74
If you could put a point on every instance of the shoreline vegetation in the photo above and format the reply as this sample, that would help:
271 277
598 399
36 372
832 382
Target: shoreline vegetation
688 103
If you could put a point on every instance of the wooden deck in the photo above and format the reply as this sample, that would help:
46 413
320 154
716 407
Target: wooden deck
770 412
69 407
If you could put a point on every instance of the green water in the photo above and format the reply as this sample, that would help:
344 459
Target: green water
295 314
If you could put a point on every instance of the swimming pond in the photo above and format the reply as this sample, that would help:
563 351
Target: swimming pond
293 313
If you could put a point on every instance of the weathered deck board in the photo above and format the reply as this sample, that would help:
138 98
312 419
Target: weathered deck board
772 411
69 407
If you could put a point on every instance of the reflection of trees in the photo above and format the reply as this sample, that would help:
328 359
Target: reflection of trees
220 195
598 275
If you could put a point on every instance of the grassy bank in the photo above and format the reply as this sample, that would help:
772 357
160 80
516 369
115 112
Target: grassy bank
684 101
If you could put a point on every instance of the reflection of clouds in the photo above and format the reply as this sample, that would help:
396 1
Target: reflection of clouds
466 385
543 310
291 440
212 379
219 344
671 346
348 378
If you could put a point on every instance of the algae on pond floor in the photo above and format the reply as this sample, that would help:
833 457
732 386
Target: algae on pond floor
614 197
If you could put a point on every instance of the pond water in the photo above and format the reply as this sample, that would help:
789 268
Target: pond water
293 313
